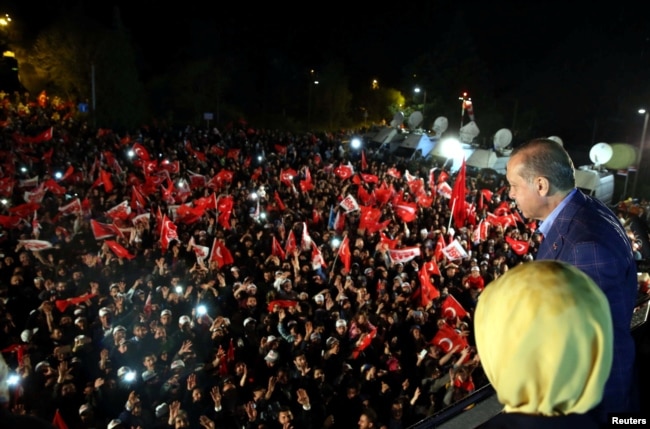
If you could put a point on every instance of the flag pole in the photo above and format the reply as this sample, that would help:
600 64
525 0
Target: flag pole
453 206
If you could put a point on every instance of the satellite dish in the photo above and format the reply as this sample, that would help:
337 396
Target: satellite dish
440 125
557 139
623 156
398 119
468 132
415 119
502 139
600 153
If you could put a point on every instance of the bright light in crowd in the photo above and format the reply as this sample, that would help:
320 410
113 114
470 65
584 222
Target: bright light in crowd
259 158
336 242
13 379
129 376
130 153
179 289
253 195
4 201
262 215
201 310
58 175
355 143
451 148
23 169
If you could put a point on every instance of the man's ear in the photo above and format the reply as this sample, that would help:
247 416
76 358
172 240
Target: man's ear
542 185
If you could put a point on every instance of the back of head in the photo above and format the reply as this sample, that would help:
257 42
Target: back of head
548 158
545 338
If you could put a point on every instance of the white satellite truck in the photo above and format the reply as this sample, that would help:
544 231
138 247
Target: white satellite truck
597 179
494 159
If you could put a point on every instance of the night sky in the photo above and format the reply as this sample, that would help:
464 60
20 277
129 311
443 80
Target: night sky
586 63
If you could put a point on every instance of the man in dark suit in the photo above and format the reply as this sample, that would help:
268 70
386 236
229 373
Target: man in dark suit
584 232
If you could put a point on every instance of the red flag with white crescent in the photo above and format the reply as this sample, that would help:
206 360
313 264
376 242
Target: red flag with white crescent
141 152
119 250
277 250
428 292
103 230
291 245
167 233
220 254
451 308
344 253
317 260
447 338
406 211
520 247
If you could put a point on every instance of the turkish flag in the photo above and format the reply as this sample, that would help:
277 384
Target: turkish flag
368 216
344 171
225 205
451 308
520 247
220 254
119 250
457 202
287 175
317 260
104 230
369 178
447 338
281 303
106 180
167 233
73 207
63 304
171 166
141 152
344 253
428 292
200 251
277 250
119 211
58 421
394 172
306 185
388 242
406 211
279 201
364 342
291 244
440 245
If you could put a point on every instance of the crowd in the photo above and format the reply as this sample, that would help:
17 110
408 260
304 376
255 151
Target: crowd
237 277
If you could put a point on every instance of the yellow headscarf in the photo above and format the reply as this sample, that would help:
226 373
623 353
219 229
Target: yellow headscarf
544 336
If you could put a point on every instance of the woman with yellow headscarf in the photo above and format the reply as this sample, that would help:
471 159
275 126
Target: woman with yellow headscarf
544 336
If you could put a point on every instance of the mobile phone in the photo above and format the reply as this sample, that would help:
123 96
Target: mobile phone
423 353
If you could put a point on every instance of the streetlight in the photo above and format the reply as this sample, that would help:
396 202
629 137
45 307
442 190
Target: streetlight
464 100
5 20
417 90
641 147
312 82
